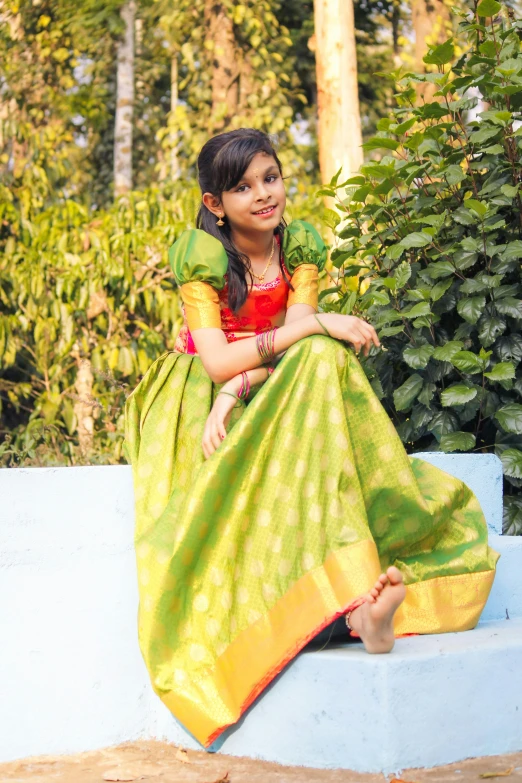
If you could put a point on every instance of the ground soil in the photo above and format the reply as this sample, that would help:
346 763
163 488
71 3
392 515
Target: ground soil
159 762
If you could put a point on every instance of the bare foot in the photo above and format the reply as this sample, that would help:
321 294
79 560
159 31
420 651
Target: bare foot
373 620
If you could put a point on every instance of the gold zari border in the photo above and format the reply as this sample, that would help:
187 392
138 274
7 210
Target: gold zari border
202 308
305 281
220 695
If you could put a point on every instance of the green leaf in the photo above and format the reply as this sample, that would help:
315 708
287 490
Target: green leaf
422 308
405 395
379 297
457 441
477 206
390 331
394 251
427 393
512 462
512 517
402 274
503 371
454 175
439 289
416 239
446 352
488 8
418 358
331 218
510 417
335 178
467 362
509 190
509 306
125 361
509 348
513 251
377 143
484 134
440 269
458 394
360 194
471 309
490 328
443 422
442 54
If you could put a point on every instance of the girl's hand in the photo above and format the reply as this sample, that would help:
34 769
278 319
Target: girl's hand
217 421
350 329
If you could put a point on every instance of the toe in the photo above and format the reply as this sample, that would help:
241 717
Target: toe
394 575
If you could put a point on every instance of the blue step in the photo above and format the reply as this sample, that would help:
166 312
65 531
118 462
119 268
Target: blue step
69 643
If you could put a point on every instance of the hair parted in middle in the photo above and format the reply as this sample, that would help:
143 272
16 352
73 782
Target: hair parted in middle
221 163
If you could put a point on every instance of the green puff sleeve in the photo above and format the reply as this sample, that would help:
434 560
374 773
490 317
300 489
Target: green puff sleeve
302 244
198 257
199 262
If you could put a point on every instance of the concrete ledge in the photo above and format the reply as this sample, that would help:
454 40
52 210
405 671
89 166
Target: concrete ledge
73 677
433 700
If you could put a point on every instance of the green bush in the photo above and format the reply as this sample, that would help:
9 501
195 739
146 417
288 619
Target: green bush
87 303
89 291
431 248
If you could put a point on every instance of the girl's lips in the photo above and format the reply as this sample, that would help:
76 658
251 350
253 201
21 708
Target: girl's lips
265 214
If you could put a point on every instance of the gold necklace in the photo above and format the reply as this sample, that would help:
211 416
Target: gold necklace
261 277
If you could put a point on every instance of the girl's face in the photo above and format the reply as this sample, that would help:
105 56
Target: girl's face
261 188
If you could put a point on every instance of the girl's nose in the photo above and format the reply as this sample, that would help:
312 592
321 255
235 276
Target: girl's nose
261 191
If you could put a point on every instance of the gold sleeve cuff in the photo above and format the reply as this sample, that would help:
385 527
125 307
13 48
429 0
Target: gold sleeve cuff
201 302
305 281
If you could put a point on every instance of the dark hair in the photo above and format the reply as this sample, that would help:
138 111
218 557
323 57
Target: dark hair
221 163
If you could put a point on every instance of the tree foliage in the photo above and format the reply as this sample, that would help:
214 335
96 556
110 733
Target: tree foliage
430 249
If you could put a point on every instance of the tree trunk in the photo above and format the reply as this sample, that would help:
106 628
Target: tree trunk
225 70
246 86
430 20
124 103
337 89
83 407
174 161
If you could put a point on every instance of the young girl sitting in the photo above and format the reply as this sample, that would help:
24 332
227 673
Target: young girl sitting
273 493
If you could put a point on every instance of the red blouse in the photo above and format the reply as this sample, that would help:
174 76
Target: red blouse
264 308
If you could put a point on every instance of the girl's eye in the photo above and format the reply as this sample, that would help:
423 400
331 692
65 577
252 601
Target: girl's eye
270 176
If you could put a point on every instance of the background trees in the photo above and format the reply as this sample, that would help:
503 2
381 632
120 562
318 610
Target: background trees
103 109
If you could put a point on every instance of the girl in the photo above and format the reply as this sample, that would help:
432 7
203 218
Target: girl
273 494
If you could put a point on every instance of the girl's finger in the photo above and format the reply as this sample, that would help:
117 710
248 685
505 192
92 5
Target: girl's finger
215 439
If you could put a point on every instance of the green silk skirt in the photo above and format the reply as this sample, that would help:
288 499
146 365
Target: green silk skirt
245 557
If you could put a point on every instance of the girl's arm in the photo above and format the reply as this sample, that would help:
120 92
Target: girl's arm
298 311
223 360
260 374
255 377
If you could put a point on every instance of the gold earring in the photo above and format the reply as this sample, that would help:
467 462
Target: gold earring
220 222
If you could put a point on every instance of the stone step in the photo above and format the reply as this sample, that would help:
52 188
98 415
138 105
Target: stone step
433 700
76 680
